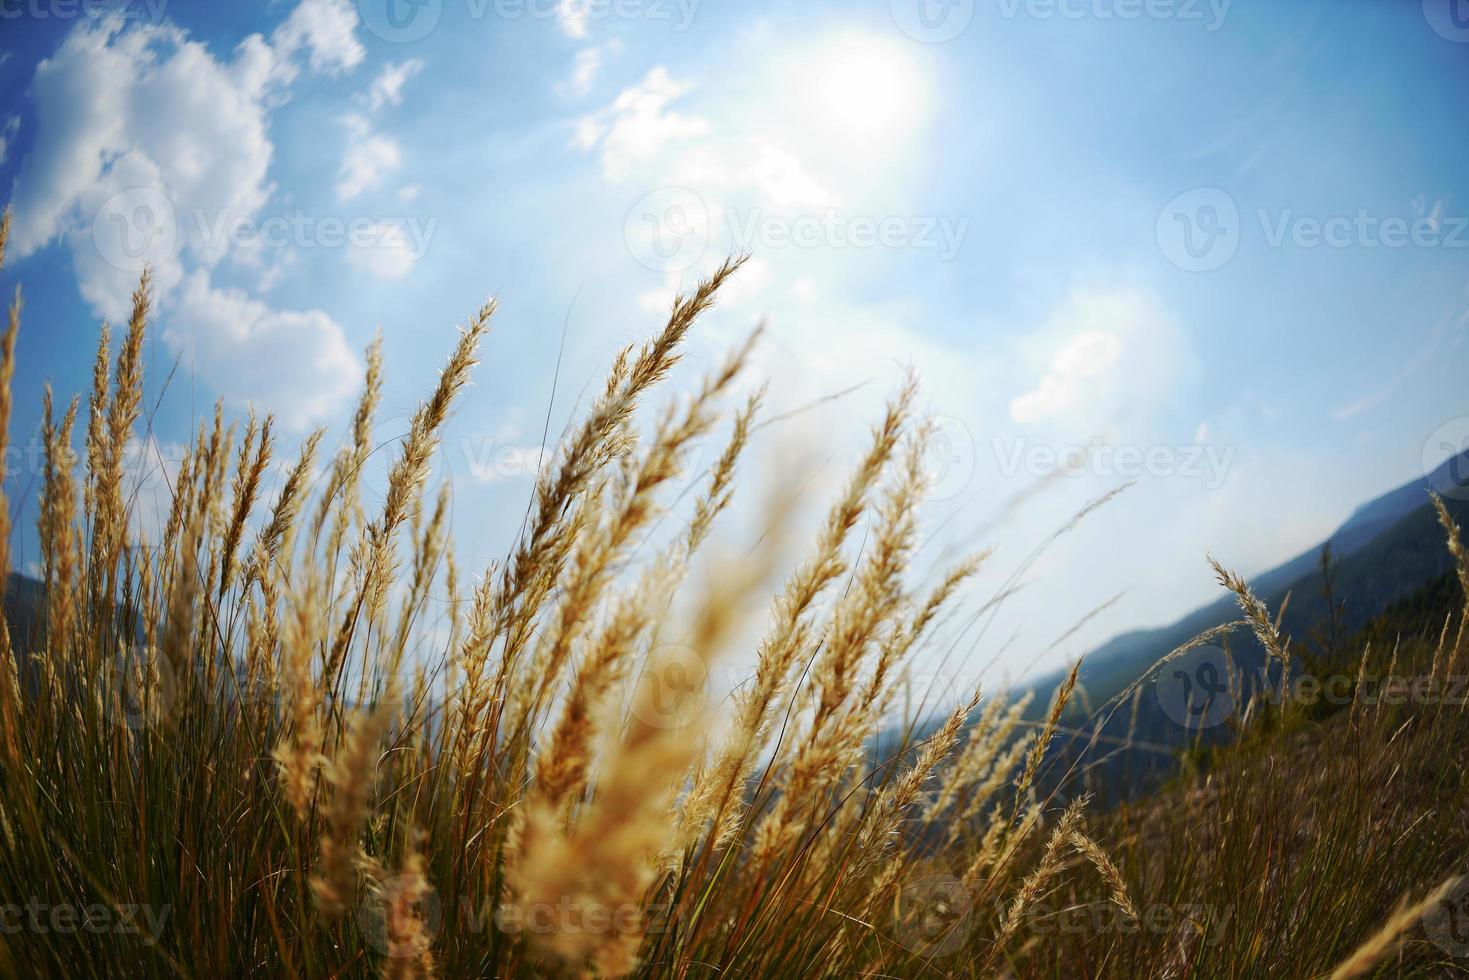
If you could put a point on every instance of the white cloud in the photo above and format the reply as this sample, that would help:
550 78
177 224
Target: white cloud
387 87
638 125
1349 410
572 15
731 165
7 133
583 72
370 157
327 31
1108 355
389 256
141 118
776 177
144 142
408 193
297 364
588 131
817 343
1085 362
784 182
122 107
586 66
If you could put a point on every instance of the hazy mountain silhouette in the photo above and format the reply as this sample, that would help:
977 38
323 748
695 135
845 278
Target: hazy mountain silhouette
1388 550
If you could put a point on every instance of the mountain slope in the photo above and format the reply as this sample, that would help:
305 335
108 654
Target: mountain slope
1391 548
1404 550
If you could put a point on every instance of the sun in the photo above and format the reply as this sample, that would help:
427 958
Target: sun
865 87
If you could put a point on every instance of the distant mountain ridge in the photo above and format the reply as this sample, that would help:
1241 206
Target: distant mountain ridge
1386 551
1132 652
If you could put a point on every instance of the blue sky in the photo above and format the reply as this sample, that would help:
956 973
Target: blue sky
1220 248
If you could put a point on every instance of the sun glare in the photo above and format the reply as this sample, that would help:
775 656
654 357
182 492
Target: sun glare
866 87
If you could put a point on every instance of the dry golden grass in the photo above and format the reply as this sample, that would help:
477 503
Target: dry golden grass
256 731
